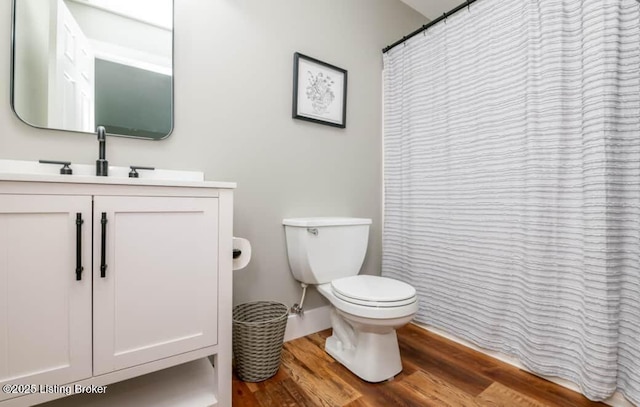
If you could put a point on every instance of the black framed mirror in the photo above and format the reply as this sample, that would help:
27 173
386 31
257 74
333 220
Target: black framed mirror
79 64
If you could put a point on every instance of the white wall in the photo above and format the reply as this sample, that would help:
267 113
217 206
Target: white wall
233 87
115 35
32 61
433 8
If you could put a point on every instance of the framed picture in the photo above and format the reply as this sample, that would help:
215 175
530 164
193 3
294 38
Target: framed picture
319 91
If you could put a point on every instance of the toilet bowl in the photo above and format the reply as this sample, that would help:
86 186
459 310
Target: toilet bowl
364 327
365 310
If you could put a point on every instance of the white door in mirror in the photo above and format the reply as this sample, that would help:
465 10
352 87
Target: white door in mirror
71 81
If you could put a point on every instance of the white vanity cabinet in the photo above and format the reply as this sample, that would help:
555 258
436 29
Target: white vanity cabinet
102 282
156 293
45 307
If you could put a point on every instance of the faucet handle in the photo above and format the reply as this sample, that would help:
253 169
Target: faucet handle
134 174
65 170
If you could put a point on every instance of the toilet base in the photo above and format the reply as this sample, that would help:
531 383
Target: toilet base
374 357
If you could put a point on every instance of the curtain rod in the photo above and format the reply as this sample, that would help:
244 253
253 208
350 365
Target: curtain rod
426 26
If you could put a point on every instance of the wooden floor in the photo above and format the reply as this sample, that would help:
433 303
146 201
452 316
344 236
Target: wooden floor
437 372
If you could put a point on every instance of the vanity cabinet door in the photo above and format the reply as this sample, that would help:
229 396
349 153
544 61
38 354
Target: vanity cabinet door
45 305
155 291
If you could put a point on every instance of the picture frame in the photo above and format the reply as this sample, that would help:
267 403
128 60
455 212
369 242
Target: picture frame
319 91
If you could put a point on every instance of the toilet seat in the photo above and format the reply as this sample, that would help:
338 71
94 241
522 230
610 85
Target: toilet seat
371 296
373 291
367 311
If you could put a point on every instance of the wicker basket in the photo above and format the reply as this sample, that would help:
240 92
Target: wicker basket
258 333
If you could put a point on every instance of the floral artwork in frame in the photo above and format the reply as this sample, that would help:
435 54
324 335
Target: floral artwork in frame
319 91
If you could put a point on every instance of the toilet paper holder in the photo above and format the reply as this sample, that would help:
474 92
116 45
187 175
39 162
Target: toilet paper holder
241 251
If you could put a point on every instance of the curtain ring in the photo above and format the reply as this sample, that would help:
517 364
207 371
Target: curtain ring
424 30
445 17
468 6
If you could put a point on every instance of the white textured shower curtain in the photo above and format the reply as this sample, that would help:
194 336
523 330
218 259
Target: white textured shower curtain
512 183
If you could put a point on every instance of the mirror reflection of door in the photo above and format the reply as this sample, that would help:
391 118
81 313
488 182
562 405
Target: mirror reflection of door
78 64
71 74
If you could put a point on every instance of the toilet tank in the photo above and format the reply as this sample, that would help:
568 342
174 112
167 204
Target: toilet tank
323 249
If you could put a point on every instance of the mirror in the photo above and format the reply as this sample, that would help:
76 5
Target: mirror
79 64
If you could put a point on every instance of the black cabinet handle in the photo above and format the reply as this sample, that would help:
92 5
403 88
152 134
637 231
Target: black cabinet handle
79 267
103 252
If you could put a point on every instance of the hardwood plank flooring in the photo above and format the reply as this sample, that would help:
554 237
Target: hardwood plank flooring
437 372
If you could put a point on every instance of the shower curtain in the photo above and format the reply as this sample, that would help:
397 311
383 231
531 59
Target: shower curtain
512 183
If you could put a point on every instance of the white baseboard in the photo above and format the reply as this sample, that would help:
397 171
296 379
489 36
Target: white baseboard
310 322
617 400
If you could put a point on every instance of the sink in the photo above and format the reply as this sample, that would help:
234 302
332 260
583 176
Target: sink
15 170
84 170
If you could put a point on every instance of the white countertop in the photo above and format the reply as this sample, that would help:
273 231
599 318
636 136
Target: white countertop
32 171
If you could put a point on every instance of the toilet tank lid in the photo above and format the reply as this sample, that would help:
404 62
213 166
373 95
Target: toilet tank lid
327 221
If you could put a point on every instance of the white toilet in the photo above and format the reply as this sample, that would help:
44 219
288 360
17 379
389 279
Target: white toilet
366 310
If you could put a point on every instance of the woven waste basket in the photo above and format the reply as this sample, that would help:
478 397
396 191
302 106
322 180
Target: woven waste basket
258 334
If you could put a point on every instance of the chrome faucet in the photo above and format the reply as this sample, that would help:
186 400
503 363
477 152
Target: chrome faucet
102 165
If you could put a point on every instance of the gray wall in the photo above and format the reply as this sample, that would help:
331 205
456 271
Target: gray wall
132 101
233 86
